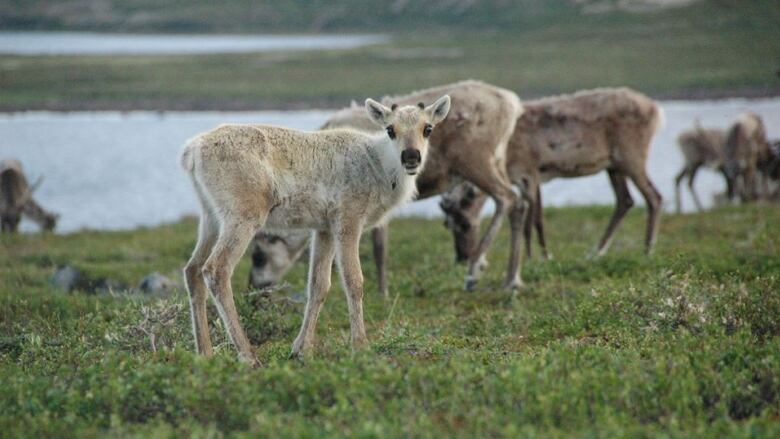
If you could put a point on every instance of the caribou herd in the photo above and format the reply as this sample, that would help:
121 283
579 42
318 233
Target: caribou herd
285 190
282 191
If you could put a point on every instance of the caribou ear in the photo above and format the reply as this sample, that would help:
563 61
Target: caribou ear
439 109
377 112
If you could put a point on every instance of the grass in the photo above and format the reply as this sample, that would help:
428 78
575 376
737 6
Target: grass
248 16
685 343
710 49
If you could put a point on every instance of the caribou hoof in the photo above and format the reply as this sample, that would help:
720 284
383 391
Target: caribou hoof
470 285
482 263
594 254
296 355
514 285
300 349
360 345
250 360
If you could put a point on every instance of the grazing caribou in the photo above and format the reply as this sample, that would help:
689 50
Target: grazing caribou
469 145
16 199
748 158
333 182
700 147
572 136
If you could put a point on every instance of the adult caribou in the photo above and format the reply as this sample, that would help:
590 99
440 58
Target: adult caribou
16 199
570 136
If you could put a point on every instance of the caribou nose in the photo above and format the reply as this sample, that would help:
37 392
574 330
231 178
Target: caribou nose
411 157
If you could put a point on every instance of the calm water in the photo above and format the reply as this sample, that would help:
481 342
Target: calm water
88 43
112 170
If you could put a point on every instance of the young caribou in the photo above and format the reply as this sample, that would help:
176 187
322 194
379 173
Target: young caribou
333 182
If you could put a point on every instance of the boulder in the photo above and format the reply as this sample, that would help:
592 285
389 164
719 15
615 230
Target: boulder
156 283
68 278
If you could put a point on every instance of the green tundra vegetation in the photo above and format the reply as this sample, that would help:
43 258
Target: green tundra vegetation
683 343
707 49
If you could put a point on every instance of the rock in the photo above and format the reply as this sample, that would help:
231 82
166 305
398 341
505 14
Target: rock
67 279
107 286
156 283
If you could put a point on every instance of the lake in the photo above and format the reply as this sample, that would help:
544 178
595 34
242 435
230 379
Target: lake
113 170
91 43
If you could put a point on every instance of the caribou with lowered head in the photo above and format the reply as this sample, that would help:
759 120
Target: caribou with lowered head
469 145
333 182
16 199
571 136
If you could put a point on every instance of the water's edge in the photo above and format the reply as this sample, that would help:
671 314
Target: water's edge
37 43
116 170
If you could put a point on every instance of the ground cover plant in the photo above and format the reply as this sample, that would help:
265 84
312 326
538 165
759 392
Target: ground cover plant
685 342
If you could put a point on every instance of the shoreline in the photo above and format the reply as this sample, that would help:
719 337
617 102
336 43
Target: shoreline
327 104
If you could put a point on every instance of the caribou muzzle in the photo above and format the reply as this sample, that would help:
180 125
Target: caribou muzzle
411 159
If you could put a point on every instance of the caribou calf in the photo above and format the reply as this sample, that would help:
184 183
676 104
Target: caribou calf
333 182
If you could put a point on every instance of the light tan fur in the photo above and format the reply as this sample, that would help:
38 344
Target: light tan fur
469 145
577 135
700 147
333 182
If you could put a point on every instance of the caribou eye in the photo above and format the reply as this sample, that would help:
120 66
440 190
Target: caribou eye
390 131
427 130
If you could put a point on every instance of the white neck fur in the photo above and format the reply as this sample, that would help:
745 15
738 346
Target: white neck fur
396 178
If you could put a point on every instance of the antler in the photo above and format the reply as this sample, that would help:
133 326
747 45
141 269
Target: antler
28 193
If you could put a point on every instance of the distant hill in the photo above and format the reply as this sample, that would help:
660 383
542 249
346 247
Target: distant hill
308 15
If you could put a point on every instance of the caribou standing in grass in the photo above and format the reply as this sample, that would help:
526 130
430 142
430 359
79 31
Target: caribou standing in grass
333 182
16 199
748 158
700 147
572 136
469 145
